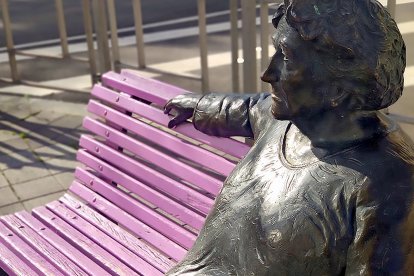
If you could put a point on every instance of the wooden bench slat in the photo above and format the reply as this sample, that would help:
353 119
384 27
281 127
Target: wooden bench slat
180 169
123 237
77 220
83 243
226 145
60 244
136 208
26 253
13 265
144 206
142 231
142 87
49 252
147 215
166 140
148 175
154 197
135 226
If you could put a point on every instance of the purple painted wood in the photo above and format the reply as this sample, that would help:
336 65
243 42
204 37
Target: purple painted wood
20 248
94 243
13 265
226 145
91 249
60 244
147 215
60 261
134 244
154 197
129 222
134 207
143 88
148 175
183 148
168 92
135 226
174 166
109 243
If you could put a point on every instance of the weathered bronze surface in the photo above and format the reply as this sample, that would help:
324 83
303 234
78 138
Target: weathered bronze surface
328 186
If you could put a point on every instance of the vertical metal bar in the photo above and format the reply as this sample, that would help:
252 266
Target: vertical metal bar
249 46
9 40
264 39
116 59
139 33
202 27
101 27
62 28
234 34
87 22
391 6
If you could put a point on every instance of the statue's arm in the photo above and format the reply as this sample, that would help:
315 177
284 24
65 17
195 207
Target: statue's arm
218 114
383 233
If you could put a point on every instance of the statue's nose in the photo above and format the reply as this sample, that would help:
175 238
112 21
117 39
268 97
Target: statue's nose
270 75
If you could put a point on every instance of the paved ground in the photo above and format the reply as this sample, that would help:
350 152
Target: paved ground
38 141
39 128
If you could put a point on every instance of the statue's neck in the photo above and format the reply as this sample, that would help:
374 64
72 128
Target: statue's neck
329 133
297 148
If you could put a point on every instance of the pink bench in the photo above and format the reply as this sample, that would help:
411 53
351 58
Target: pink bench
141 193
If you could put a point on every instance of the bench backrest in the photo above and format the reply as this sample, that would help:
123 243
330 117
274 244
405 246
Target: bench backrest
140 196
155 182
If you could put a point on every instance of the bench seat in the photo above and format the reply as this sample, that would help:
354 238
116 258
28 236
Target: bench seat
140 196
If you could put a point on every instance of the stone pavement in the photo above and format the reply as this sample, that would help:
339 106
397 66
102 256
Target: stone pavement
38 142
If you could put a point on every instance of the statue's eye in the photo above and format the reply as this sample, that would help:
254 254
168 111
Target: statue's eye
285 58
284 53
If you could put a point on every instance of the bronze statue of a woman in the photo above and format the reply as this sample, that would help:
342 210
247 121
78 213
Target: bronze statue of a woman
328 186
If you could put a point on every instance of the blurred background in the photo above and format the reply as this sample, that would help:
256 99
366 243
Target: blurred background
49 40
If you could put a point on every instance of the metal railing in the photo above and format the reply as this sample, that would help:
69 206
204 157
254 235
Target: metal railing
12 52
391 6
98 15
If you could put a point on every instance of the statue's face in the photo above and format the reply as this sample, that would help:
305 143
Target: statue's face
296 76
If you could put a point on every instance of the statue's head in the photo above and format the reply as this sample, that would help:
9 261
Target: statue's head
356 49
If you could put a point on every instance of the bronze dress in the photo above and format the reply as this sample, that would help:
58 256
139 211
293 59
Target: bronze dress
349 213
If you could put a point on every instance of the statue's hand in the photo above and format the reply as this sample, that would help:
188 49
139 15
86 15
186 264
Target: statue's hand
184 106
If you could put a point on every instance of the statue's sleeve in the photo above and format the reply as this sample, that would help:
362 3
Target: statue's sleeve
228 115
383 232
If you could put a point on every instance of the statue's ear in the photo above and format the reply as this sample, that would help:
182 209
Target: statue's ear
280 11
335 48
343 52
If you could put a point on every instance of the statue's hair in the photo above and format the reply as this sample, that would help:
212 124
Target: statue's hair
360 45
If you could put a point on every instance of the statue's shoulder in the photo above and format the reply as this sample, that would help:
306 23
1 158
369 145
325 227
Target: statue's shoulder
387 165
380 163
396 150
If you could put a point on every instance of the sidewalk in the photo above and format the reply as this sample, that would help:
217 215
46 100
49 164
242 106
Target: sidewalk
40 128
38 142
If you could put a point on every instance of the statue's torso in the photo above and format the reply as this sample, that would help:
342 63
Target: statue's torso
275 219
272 218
